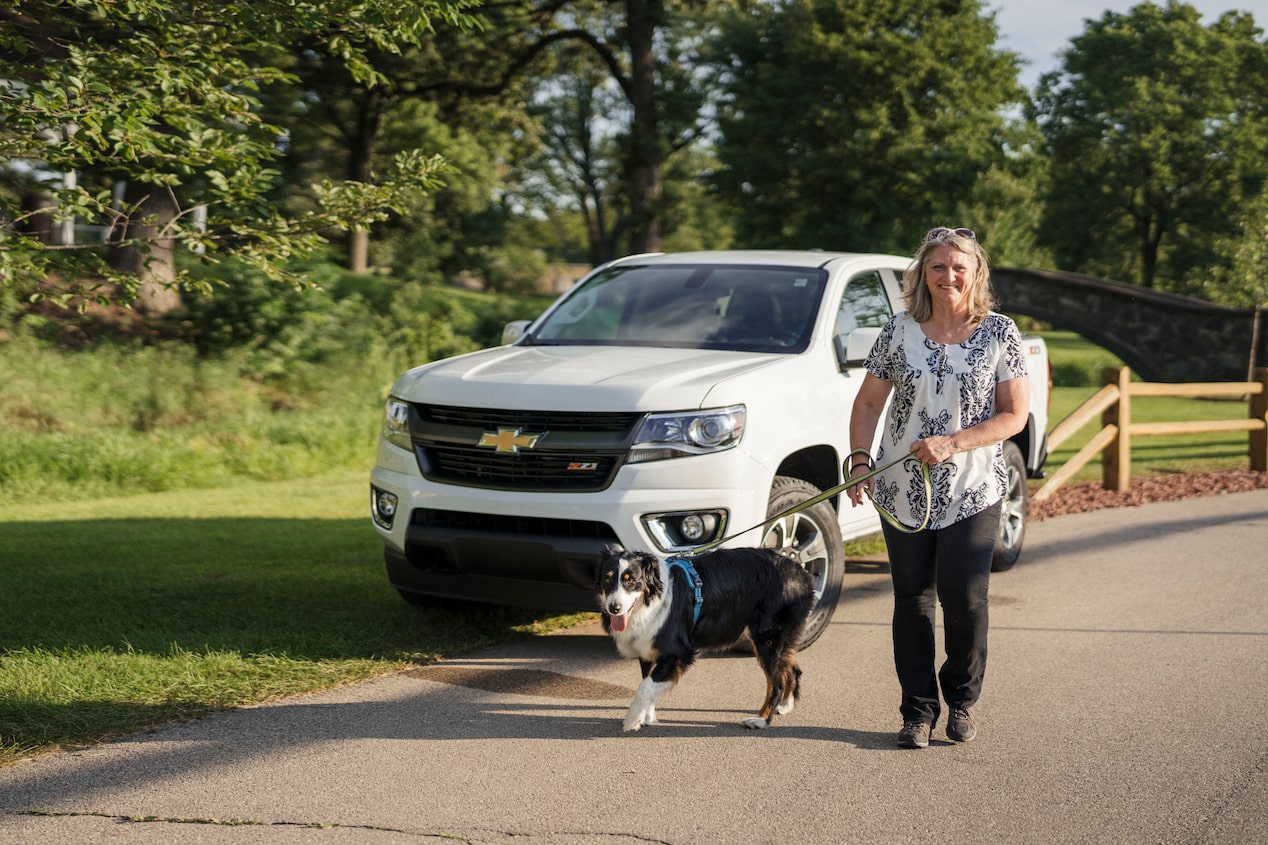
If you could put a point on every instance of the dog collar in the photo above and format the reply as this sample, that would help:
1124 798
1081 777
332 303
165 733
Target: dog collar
693 576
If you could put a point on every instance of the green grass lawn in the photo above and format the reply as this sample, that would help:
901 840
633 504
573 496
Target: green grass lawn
139 610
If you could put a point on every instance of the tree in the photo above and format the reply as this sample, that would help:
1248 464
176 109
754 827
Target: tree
646 48
857 125
1006 203
577 166
578 170
332 121
1240 278
339 127
459 228
163 95
1156 128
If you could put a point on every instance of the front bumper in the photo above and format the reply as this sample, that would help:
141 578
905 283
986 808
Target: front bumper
542 549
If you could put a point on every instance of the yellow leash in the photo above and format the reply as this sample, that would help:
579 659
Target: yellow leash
893 520
828 494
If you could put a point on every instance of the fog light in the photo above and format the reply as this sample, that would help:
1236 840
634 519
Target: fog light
383 506
679 531
692 527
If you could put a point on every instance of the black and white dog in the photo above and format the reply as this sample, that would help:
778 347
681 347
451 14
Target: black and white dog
665 613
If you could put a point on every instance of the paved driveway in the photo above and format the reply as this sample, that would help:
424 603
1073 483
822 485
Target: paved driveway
1125 702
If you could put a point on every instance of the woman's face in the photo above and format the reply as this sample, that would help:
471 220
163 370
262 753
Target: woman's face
949 275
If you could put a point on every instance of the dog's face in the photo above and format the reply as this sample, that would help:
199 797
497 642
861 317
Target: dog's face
625 579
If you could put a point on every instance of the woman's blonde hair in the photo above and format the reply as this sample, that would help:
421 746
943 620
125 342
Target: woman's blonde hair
916 293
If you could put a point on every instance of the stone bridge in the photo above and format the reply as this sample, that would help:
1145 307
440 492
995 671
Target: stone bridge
1161 336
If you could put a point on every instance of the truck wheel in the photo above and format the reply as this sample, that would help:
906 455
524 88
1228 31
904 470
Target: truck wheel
811 538
1012 517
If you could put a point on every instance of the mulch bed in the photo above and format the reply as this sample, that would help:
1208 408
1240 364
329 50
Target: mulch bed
1081 498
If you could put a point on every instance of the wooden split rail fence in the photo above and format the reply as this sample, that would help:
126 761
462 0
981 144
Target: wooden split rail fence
1113 441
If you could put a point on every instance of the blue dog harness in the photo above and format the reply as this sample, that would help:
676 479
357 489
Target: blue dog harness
693 576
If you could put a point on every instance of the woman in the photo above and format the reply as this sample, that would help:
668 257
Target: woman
958 377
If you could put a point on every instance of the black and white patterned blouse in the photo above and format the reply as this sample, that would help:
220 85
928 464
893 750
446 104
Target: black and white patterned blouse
941 388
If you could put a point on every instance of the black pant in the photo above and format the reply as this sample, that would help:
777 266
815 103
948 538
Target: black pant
953 565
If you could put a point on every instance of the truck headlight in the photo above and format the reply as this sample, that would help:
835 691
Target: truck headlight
396 423
691 433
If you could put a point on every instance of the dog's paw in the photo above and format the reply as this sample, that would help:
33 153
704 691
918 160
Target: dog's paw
755 723
786 706
643 709
638 717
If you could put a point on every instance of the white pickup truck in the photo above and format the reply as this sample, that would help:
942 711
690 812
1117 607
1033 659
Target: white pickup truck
662 403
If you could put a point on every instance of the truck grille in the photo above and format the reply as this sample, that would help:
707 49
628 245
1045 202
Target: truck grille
538 421
518 526
543 450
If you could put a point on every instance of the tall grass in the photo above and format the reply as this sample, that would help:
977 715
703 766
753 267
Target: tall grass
129 419
257 382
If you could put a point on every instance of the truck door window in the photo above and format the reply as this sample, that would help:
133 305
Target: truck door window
864 304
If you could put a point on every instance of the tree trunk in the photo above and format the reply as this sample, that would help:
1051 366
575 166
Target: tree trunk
360 169
358 245
142 253
645 154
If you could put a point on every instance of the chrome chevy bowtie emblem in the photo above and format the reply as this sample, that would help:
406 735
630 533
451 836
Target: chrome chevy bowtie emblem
508 440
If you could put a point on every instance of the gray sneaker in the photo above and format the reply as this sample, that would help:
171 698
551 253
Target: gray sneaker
960 725
914 735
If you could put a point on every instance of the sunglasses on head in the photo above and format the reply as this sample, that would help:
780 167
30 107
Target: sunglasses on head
940 231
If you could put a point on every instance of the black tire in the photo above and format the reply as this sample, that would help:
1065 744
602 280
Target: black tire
1013 513
812 538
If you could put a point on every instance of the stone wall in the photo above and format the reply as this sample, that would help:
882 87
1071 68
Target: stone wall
1161 336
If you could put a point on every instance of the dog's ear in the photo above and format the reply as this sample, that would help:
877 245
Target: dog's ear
649 566
609 553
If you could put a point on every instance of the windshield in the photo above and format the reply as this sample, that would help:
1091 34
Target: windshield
753 308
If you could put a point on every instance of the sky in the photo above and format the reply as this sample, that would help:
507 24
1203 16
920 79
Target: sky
1039 29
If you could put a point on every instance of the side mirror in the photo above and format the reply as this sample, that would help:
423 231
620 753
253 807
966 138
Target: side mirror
852 349
514 330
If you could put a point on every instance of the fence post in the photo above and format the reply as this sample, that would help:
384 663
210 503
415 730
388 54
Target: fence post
1259 411
1116 460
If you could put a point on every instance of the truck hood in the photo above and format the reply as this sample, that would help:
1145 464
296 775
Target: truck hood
616 378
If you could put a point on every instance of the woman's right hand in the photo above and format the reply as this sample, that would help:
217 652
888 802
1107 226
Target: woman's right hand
856 491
